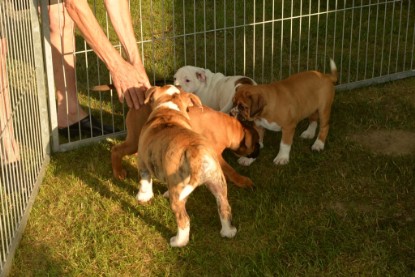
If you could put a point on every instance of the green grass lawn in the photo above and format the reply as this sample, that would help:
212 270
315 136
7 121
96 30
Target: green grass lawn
347 211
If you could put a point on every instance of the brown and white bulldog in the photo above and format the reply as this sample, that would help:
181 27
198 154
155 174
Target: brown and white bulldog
222 130
281 105
172 152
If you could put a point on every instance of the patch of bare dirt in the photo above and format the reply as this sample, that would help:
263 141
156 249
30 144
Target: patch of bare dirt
388 142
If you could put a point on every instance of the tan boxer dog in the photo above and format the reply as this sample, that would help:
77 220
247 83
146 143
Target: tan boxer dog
226 132
281 105
169 150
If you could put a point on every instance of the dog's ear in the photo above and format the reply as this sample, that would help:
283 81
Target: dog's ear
194 100
201 76
251 141
257 104
149 95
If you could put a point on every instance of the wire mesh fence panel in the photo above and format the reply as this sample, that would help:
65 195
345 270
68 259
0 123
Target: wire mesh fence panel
24 120
371 41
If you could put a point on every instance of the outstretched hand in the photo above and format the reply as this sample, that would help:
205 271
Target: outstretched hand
131 83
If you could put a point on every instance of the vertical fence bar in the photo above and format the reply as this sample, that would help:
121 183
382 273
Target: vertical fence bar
272 40
399 36
263 41
253 40
282 37
300 36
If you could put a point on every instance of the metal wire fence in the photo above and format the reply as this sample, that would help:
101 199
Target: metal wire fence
24 123
371 41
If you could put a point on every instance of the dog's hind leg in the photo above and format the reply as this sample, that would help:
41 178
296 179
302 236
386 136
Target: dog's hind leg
146 186
217 185
178 205
324 128
310 132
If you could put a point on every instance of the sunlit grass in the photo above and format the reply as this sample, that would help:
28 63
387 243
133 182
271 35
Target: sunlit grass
345 211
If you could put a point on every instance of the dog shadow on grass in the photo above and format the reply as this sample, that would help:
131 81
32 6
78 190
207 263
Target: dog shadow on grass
101 179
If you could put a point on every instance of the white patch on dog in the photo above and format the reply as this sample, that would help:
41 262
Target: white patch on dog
208 164
318 145
283 155
310 132
182 237
169 105
185 192
172 90
267 125
246 161
146 190
227 230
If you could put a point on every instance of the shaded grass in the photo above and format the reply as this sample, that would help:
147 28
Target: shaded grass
345 211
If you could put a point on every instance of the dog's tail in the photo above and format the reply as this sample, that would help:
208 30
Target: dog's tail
103 87
334 74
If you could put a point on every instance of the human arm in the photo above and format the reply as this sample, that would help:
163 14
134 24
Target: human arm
129 79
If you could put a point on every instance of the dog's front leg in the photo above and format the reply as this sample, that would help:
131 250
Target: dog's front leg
261 134
117 153
146 186
285 146
233 176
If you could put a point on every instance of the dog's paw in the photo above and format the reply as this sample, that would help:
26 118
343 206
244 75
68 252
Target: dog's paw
181 239
177 242
120 174
228 231
261 144
243 182
310 132
281 159
246 161
166 194
144 197
307 134
318 145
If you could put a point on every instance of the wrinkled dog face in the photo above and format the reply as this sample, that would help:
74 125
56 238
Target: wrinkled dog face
241 106
190 78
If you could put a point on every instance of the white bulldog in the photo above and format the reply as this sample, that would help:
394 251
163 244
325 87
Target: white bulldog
214 89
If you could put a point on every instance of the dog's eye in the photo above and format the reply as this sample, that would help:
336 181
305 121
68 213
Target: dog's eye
187 80
174 78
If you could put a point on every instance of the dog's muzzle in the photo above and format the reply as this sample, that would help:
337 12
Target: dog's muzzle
237 112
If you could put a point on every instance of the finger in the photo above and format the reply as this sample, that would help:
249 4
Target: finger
141 95
127 97
134 97
119 92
